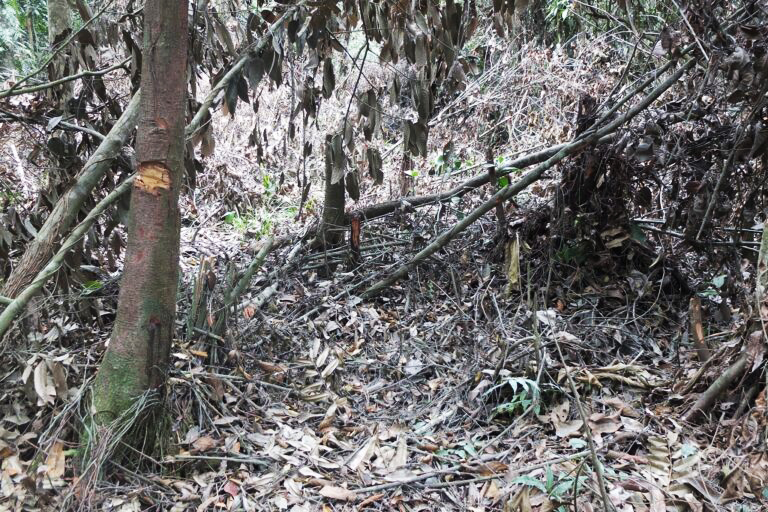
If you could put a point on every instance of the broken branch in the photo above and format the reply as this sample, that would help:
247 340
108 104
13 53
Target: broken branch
18 304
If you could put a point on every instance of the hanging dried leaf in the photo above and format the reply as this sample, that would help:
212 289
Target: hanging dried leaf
417 138
208 143
421 50
255 71
268 16
329 79
352 184
513 265
394 91
242 89
362 105
230 98
375 166
338 160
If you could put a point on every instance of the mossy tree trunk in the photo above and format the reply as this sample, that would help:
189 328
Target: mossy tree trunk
139 349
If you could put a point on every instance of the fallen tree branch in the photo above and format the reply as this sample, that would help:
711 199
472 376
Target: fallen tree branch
532 176
232 296
18 304
54 83
243 282
381 209
457 467
11 117
755 342
388 207
67 207
709 397
263 296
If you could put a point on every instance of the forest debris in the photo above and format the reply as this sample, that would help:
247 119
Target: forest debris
513 264
697 330
719 386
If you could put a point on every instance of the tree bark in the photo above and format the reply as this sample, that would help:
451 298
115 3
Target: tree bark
59 28
42 248
139 349
333 222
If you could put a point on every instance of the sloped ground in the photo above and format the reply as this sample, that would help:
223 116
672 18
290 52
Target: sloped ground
446 394
453 391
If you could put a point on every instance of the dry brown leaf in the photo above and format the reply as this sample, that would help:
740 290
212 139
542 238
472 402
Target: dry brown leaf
45 391
56 461
567 428
364 454
226 420
204 443
231 488
330 414
270 367
59 379
338 493
486 468
370 499
656 500
401 455
400 475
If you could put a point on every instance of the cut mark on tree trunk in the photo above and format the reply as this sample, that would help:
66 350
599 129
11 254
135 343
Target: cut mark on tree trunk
153 177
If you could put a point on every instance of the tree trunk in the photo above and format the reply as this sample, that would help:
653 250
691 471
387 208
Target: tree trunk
137 357
59 28
333 222
406 178
47 240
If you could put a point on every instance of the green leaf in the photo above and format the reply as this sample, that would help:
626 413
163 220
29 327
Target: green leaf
530 482
577 443
636 233
688 449
719 281
503 182
565 486
550 476
92 286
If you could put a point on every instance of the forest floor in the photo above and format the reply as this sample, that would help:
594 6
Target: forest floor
468 386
